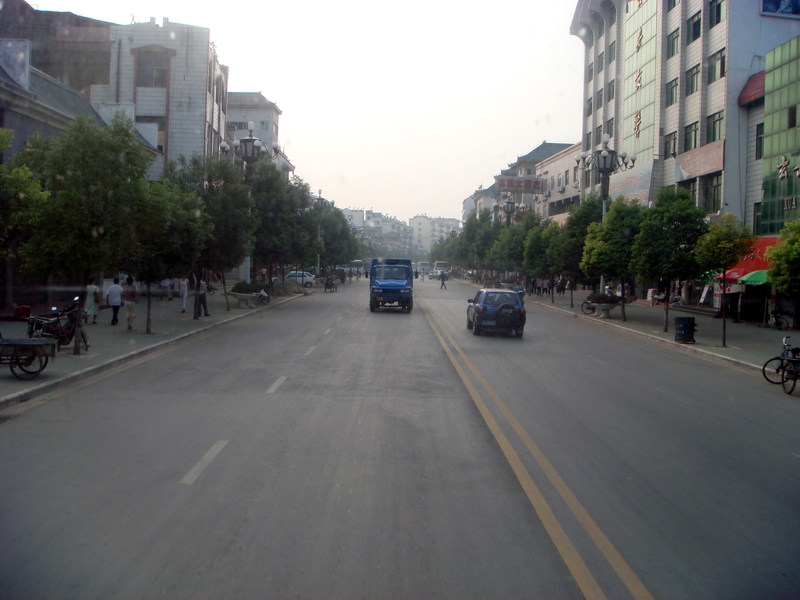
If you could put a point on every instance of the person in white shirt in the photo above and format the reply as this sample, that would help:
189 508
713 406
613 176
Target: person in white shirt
114 299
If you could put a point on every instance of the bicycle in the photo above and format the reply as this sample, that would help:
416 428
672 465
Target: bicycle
790 373
773 370
779 321
587 307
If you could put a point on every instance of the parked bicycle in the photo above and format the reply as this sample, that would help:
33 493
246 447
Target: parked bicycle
774 368
587 307
779 321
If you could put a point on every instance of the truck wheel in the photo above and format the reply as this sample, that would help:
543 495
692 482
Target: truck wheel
469 324
371 307
476 329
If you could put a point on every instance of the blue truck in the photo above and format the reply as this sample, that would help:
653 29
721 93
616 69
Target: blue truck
391 284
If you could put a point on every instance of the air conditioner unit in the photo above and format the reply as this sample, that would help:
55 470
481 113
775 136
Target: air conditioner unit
561 189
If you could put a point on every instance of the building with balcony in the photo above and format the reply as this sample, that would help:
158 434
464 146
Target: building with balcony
169 80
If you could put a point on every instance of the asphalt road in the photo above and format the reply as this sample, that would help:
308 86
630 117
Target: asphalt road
318 450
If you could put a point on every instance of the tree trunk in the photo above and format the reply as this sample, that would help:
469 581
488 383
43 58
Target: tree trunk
147 317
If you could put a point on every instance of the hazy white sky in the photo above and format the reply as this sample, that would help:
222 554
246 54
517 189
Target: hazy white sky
404 108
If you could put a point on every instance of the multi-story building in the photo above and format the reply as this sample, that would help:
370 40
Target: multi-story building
169 78
559 187
663 79
252 107
427 230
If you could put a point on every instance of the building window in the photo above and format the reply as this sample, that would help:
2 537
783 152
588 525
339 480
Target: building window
162 132
713 192
589 107
599 99
716 12
714 125
759 141
716 66
671 4
599 62
692 80
610 90
673 43
590 72
671 144
610 127
598 135
690 137
612 52
672 92
587 144
694 26
791 122
152 68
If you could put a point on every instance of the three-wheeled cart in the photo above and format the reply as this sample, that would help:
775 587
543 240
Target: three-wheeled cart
27 357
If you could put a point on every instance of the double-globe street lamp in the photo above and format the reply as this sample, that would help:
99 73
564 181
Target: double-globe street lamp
605 161
509 207
249 150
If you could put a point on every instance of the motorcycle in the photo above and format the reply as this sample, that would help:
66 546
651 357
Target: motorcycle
61 324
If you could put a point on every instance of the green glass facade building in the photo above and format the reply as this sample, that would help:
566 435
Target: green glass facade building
781 144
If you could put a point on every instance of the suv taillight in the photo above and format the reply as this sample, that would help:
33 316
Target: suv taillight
481 310
521 312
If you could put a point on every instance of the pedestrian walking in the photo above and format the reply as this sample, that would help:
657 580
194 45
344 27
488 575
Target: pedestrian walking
443 277
129 297
184 289
92 304
114 299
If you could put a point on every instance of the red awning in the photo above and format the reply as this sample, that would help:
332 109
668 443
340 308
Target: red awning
753 89
755 260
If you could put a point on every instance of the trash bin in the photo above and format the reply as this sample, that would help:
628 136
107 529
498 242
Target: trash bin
684 330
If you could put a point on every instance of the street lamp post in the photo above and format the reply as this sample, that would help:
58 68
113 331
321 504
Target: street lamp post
605 161
509 209
250 150
319 227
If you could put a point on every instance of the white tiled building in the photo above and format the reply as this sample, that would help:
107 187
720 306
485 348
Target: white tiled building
427 230
168 79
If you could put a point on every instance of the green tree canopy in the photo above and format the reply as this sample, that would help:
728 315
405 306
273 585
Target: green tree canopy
608 247
95 176
21 197
784 257
724 244
665 245
225 198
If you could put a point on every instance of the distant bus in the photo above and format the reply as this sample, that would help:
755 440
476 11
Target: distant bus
424 267
441 265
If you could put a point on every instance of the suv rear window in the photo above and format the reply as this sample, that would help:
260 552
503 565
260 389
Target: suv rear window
498 298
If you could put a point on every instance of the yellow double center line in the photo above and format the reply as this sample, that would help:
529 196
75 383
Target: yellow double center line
576 565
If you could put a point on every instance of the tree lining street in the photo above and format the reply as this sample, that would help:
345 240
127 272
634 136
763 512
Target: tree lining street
346 458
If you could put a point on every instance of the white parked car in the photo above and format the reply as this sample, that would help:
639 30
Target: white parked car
304 278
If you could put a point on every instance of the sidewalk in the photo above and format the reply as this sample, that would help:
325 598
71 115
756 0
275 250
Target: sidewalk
112 345
747 344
